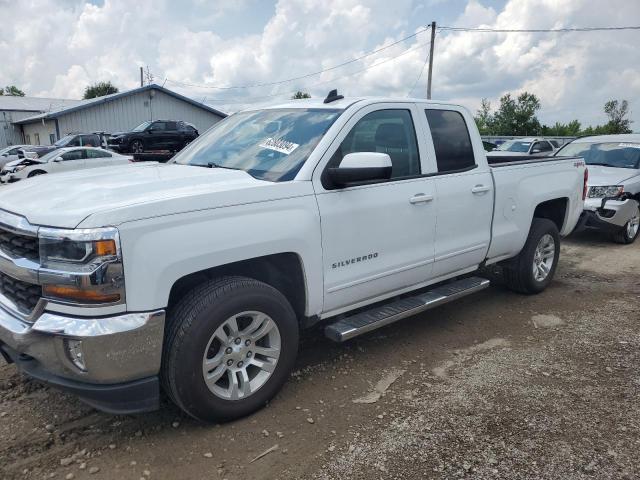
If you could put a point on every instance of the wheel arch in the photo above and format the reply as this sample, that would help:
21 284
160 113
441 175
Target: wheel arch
555 210
283 271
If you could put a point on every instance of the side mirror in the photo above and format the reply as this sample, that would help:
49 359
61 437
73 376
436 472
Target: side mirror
5 154
361 167
57 159
536 150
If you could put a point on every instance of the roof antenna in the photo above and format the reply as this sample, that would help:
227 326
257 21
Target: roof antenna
333 96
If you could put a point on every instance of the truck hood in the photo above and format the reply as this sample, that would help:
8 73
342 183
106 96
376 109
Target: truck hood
601 175
112 195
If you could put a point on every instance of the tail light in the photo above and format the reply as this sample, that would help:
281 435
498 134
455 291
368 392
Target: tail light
584 186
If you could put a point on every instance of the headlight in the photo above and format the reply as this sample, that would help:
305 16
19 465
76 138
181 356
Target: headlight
607 191
81 266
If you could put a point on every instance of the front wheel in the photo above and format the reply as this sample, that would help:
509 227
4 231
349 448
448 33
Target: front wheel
534 267
137 146
630 231
230 346
35 173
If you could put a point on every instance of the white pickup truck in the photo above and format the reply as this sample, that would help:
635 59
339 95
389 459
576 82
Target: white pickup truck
197 275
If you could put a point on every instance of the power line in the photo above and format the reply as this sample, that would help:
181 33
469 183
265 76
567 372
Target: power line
268 84
539 30
263 97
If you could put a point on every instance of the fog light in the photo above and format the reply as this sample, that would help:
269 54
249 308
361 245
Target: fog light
74 352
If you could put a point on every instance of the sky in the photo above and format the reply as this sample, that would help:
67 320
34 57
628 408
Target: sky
200 48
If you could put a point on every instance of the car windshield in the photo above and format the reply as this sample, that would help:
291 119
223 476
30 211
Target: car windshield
141 127
267 144
64 141
609 154
514 146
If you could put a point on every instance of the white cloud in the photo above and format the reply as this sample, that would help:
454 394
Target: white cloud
54 49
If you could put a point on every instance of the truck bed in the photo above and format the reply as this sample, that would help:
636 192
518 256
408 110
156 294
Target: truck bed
503 161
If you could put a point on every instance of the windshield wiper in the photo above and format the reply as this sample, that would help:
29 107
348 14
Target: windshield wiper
215 165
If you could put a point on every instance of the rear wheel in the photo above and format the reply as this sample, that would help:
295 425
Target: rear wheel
533 269
230 346
630 231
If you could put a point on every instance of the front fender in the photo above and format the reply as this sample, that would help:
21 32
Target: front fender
157 252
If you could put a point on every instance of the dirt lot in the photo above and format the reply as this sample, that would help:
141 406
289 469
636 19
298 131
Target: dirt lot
495 386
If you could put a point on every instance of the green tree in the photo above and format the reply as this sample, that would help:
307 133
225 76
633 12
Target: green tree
99 89
11 90
300 95
617 112
484 118
517 116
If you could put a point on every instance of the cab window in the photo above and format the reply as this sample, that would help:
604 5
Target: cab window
451 140
385 131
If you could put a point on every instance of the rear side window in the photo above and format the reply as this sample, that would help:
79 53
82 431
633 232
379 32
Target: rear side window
98 154
451 140
90 140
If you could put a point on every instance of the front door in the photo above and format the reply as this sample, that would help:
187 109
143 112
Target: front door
71 160
376 238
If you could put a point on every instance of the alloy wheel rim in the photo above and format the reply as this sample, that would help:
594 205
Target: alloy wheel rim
137 147
632 226
543 257
241 355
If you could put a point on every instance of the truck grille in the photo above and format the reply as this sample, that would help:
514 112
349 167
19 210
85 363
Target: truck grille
24 295
19 246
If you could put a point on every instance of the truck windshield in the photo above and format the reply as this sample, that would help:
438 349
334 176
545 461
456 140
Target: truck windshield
514 146
64 141
609 154
270 145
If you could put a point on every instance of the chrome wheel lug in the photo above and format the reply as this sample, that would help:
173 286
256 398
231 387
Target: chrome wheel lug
240 364
238 341
247 342
249 354
228 350
229 362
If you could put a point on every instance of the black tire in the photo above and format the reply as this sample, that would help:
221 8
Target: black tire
137 146
35 173
191 324
518 273
623 236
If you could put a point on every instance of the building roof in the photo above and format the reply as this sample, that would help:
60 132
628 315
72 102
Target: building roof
82 104
34 104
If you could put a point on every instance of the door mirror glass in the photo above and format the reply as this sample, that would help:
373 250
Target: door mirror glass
58 159
361 167
536 150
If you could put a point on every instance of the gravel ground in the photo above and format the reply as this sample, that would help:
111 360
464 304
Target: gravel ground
497 385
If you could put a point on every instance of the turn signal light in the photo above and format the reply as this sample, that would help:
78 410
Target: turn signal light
105 248
79 295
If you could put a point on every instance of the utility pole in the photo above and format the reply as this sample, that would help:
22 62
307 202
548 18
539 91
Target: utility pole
141 77
433 39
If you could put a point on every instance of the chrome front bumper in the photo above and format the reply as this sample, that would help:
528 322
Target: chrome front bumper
114 350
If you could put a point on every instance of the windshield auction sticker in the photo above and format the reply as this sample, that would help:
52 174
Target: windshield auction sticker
279 145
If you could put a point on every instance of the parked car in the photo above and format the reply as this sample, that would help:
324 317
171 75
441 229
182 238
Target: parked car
488 146
10 153
168 135
200 273
73 140
613 198
61 160
523 147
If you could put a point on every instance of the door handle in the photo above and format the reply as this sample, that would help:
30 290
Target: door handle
420 198
480 189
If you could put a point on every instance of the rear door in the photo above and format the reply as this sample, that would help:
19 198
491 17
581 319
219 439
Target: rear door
376 238
172 136
464 189
97 158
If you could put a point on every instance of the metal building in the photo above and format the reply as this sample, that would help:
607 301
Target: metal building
113 113
13 109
